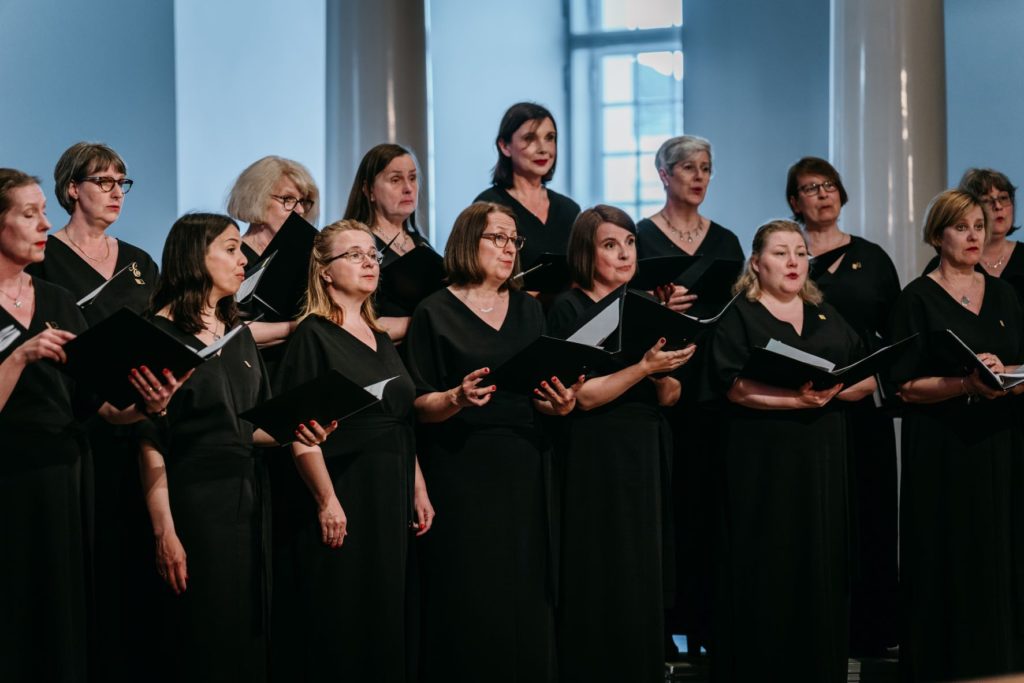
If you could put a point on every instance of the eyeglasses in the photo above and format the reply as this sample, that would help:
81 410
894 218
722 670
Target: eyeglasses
1003 199
500 239
811 189
356 256
289 202
106 183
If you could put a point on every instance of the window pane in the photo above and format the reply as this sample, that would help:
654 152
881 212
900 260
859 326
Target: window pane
660 75
620 180
656 124
647 210
619 15
618 130
651 189
617 78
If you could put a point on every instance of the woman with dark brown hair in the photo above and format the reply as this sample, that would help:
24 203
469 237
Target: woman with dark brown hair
486 565
616 476
202 483
527 145
384 196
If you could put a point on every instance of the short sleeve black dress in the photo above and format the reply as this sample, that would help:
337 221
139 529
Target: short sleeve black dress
121 547
351 611
486 562
962 506
614 493
42 576
863 289
216 630
694 433
550 236
781 551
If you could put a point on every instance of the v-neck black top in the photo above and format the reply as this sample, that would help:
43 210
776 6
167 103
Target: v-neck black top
551 236
131 289
447 341
1013 271
719 242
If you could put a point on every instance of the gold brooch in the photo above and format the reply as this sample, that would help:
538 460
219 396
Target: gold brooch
246 363
856 265
51 325
134 267
821 316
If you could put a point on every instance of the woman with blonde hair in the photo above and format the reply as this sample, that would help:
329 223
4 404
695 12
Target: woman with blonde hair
962 566
782 580
350 616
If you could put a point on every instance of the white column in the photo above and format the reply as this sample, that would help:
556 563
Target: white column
888 132
376 90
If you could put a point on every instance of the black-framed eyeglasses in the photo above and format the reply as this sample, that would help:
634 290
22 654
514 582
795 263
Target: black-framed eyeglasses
357 256
1003 198
811 189
106 183
500 239
289 202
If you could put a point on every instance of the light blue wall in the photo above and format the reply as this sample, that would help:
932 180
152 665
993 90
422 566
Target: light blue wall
100 71
985 87
756 84
250 82
485 57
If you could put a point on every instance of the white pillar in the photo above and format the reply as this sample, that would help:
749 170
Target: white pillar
376 91
888 132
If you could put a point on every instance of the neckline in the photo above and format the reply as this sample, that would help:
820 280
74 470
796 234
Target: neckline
505 191
118 260
952 300
476 316
804 326
35 308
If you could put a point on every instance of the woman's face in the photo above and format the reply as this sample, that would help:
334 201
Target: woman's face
615 255
23 226
781 267
347 276
821 208
532 149
284 190
999 208
225 263
962 242
497 262
395 190
687 182
95 205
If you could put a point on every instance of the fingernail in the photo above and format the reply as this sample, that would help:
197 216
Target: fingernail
487 370
662 340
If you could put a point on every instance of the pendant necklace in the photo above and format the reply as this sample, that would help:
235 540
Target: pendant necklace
106 242
998 264
965 300
687 235
18 303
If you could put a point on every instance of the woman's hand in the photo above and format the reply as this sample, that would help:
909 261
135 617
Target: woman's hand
561 399
155 394
424 510
47 344
992 362
658 362
468 393
170 561
333 523
313 434
974 386
676 297
809 397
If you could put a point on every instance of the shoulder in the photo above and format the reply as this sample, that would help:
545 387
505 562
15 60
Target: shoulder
869 248
135 253
999 287
523 301
725 234
563 203
53 292
646 226
493 194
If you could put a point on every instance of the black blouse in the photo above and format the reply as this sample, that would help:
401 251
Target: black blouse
551 236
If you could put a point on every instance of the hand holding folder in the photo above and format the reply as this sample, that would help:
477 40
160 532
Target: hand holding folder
946 345
547 358
413 277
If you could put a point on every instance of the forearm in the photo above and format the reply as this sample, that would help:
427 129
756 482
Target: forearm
127 416
420 483
668 390
396 327
313 470
933 389
262 438
270 334
854 393
602 390
751 394
436 406
153 473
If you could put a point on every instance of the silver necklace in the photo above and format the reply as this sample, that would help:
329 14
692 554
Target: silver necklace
965 300
18 303
401 245
687 235
106 242
998 264
465 297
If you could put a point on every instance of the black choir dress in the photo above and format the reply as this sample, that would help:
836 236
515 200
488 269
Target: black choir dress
1013 271
42 576
694 432
485 565
863 289
962 506
614 495
120 544
550 236
781 555
216 630
351 616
